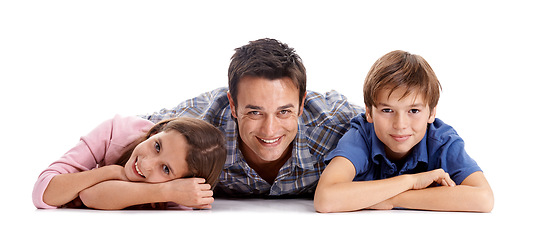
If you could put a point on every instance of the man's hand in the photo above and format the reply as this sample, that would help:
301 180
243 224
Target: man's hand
190 192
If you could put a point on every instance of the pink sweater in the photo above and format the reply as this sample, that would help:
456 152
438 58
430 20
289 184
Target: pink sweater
101 147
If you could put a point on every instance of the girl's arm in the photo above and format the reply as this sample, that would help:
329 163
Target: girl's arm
336 192
63 188
113 195
76 169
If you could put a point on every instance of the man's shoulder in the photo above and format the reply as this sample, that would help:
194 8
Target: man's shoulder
330 108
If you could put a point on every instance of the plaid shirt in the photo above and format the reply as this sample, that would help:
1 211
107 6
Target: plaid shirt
325 119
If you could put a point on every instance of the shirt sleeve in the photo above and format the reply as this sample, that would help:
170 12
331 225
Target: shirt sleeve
102 146
354 146
207 106
456 162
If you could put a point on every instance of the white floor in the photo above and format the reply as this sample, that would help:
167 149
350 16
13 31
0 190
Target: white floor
270 219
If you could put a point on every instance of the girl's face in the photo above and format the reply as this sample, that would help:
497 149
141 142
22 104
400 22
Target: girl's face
160 158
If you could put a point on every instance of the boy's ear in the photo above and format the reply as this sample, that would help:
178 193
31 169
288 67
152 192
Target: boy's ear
232 106
432 115
368 114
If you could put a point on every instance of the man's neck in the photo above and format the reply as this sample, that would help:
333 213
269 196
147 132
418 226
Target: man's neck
267 170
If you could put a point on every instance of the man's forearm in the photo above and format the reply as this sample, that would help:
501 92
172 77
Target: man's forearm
113 195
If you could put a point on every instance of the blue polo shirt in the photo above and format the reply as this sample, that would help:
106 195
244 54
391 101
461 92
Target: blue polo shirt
441 147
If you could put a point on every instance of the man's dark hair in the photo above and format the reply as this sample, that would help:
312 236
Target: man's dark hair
269 59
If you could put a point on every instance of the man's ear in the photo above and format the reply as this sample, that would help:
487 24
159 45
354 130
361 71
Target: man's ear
232 106
432 115
302 105
368 113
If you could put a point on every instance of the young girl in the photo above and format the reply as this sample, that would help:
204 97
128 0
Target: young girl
118 165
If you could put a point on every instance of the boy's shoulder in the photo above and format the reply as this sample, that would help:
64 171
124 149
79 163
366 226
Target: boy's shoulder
441 133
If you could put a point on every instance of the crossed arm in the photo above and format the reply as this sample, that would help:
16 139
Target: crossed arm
336 192
108 188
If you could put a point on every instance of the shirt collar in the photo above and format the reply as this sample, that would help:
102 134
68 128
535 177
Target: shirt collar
301 156
418 154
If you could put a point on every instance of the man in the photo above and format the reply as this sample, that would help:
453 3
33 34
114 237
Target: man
277 133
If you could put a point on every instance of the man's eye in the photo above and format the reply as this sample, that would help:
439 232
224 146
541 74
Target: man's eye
255 113
157 147
165 169
284 112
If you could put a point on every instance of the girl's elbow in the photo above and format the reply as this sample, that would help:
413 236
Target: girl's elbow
92 199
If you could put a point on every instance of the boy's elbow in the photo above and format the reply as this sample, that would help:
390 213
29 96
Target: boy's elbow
486 202
324 203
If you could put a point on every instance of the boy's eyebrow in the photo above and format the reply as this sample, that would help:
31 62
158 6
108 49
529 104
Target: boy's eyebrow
415 105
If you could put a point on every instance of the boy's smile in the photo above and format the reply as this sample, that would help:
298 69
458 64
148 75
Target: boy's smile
400 121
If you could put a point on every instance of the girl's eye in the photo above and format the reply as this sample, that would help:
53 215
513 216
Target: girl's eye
165 169
157 147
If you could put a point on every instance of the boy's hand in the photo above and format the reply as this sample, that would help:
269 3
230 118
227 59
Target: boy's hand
190 192
425 179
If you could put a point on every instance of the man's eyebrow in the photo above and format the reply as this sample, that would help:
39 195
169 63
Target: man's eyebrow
285 106
253 107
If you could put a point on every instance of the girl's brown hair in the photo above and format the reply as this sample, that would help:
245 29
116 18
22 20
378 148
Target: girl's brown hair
206 146
401 69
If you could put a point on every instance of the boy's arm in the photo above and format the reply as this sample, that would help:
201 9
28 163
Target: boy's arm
336 192
474 194
112 195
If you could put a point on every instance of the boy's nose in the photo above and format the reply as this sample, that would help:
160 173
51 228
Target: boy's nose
400 121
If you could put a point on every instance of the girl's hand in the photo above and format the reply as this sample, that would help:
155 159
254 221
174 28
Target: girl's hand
425 179
117 172
190 192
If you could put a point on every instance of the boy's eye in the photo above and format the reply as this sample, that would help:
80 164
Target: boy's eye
157 147
165 169
387 110
414 110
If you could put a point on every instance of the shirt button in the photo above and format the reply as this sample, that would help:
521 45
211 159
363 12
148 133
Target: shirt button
391 171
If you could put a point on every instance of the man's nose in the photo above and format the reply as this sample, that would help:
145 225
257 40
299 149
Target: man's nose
269 126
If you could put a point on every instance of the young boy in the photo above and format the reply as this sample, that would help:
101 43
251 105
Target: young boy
397 154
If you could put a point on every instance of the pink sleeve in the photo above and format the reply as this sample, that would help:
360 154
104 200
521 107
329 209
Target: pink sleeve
102 146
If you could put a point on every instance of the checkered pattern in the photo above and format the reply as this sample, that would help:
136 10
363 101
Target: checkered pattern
325 119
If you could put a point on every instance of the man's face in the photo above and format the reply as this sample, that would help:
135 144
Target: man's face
267 112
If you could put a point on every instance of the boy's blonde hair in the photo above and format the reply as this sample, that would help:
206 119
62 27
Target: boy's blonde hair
399 69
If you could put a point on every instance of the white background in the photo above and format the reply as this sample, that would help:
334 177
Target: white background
65 66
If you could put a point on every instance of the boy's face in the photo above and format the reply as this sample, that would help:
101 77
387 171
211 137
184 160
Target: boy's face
400 122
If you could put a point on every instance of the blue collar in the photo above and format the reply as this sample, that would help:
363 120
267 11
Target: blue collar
418 154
